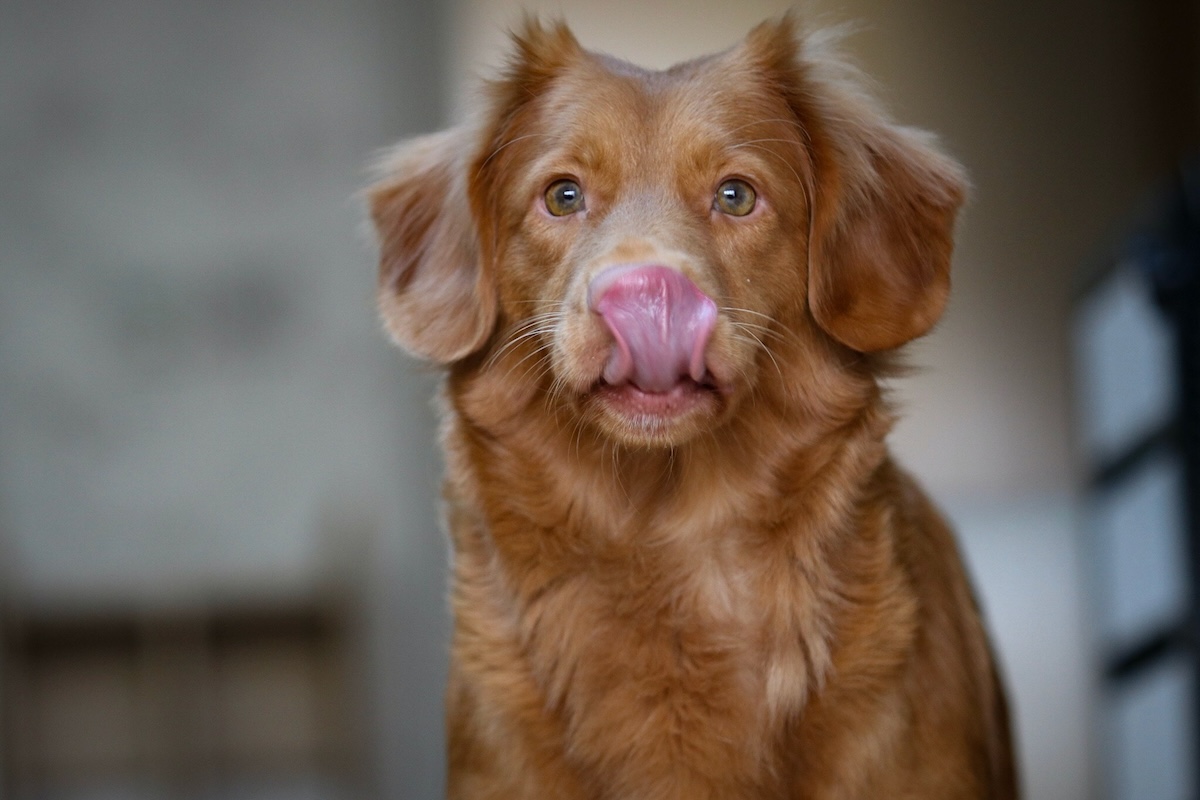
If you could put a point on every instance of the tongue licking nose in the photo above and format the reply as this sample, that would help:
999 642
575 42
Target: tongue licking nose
660 323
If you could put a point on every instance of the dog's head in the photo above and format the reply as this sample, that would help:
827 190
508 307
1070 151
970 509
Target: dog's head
650 249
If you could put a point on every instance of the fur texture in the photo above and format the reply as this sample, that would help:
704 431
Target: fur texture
727 590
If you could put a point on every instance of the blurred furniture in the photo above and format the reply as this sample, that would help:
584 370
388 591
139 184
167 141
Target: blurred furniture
1137 341
252 700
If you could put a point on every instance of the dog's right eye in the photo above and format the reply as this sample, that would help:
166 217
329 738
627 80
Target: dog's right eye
564 197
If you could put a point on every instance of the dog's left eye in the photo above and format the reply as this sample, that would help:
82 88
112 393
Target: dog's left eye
564 197
735 197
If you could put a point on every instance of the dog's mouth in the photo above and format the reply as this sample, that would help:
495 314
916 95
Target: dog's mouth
685 397
656 381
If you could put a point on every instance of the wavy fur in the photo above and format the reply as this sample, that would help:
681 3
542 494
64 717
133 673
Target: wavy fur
748 599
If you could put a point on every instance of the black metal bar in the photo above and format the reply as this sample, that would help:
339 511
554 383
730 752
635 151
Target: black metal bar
1150 650
1175 271
1164 437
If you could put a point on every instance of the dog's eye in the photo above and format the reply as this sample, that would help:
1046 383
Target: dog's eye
735 197
564 197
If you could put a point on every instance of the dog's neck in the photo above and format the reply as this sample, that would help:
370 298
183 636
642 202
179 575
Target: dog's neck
710 552
773 467
771 458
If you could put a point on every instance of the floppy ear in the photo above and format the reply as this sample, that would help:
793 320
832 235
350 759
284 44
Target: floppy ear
881 241
883 201
434 296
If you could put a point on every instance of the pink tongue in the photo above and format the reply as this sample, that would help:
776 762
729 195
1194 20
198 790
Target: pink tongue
660 322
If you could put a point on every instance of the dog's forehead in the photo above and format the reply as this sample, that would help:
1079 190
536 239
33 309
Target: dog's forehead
710 102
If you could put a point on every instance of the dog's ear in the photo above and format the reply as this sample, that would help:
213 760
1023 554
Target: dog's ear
883 200
434 296
438 200
540 53
881 241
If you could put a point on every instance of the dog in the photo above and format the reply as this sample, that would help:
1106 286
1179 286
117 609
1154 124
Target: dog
684 563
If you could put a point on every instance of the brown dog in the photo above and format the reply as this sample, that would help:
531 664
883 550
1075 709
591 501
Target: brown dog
684 564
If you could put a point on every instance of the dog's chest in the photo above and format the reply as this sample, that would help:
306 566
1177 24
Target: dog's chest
672 671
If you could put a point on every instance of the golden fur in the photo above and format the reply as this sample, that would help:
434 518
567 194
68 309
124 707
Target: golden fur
745 599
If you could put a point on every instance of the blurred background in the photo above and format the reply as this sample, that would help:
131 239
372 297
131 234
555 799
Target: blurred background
221 573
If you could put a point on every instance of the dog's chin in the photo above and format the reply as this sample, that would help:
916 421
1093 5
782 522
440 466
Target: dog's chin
670 418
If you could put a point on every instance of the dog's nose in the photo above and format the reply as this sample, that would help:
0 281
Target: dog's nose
660 322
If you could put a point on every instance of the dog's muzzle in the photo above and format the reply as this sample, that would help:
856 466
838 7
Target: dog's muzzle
660 322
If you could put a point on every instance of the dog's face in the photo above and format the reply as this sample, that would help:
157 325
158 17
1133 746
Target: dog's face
646 248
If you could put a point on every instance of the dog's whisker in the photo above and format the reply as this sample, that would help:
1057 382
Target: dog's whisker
762 141
772 329
763 347
768 121
531 328
509 143
742 310
763 329
772 153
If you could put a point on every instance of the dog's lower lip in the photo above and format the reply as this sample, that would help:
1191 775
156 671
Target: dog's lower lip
679 399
